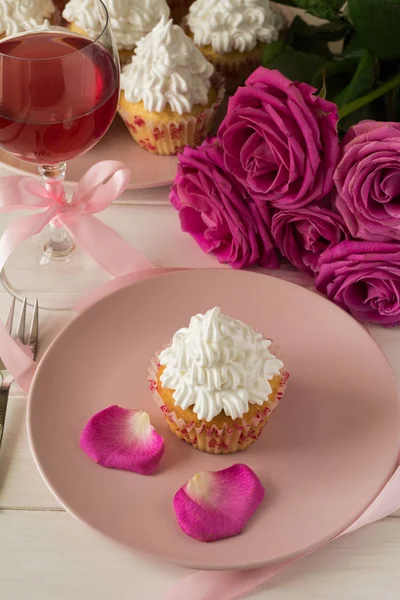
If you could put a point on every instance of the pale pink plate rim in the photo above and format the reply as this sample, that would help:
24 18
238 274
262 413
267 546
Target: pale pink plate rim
187 562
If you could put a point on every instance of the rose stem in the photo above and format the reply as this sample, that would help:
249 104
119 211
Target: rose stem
364 100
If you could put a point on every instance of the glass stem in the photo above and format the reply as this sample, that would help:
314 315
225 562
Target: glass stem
60 245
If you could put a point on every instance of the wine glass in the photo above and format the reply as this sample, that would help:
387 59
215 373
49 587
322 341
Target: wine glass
59 94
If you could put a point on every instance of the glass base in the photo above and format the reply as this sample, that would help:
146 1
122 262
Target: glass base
62 250
57 276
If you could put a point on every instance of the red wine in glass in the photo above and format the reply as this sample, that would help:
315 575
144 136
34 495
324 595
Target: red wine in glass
58 95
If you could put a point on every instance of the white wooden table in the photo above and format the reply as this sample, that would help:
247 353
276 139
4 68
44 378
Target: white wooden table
46 555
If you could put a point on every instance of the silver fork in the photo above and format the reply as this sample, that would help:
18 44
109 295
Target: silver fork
6 378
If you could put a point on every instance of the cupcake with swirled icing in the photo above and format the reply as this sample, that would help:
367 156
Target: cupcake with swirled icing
17 16
217 383
232 34
130 20
168 98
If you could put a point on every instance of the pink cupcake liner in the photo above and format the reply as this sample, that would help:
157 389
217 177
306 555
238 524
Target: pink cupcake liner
170 137
214 440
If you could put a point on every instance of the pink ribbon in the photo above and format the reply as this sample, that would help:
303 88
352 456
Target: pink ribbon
16 360
204 585
99 187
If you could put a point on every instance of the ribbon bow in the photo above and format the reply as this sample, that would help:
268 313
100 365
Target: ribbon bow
99 187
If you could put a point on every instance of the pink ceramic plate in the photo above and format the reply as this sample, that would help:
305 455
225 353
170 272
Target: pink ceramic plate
148 170
329 449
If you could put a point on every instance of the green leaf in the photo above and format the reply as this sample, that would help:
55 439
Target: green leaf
337 75
353 46
315 39
363 80
324 9
312 46
336 67
298 66
328 32
371 96
303 38
348 78
273 50
377 23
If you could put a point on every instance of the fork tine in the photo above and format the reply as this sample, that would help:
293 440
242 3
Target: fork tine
34 330
10 318
21 323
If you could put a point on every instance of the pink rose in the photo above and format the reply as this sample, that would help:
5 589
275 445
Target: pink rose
368 181
216 210
364 279
280 140
302 235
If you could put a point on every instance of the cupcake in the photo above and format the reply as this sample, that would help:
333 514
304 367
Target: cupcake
233 35
179 9
168 98
17 16
217 383
130 20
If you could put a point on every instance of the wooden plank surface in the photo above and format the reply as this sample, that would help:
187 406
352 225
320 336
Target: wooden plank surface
48 555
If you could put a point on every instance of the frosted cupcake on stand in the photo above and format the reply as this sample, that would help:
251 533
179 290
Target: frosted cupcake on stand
232 34
169 98
17 16
130 20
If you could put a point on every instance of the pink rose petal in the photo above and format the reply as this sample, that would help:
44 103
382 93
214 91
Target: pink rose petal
122 438
217 504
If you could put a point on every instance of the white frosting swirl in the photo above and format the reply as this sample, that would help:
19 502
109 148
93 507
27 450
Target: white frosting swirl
233 24
218 364
17 16
130 19
167 69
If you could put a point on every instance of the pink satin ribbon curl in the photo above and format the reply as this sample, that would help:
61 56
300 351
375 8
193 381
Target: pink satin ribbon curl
116 256
99 187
